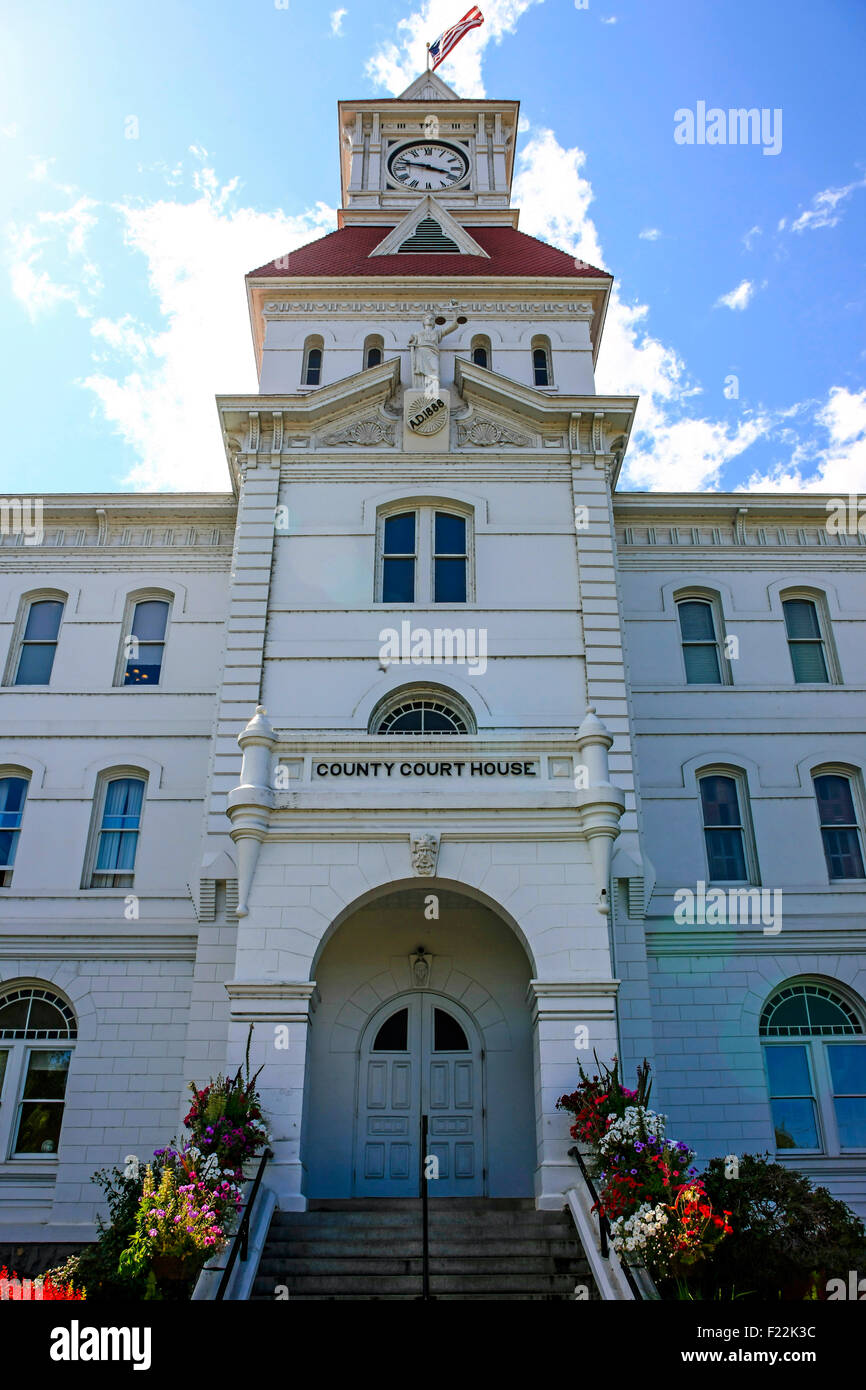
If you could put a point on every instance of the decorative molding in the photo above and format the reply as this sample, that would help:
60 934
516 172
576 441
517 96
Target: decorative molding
428 207
254 432
370 432
103 526
420 968
404 308
277 440
424 850
484 433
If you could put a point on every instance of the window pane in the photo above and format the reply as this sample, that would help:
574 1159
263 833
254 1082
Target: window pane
374 356
726 856
801 619
34 666
393 1036
696 621
43 621
46 1076
448 1036
479 356
851 1119
149 619
450 534
39 1127
449 581
788 1070
847 1068
835 801
719 796
539 362
398 581
842 849
702 665
314 367
145 668
44 1014
808 661
400 534
4 1058
411 722
13 1016
795 1124
123 800
12 793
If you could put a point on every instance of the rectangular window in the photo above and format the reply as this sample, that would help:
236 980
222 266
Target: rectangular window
700 648
792 1098
40 1112
723 830
118 835
146 643
449 558
839 830
805 642
13 791
39 642
848 1078
398 564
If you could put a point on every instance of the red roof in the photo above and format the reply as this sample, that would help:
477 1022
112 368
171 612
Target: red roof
347 252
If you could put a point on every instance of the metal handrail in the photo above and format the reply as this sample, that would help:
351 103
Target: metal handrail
240 1243
604 1225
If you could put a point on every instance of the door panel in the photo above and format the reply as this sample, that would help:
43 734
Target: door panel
421 1055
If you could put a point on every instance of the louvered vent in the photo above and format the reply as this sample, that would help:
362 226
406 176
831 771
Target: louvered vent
428 236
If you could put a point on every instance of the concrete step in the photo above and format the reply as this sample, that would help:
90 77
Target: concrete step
332 1246
326 1285
376 1266
461 1204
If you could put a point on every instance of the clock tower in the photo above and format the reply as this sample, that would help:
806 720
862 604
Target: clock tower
424 610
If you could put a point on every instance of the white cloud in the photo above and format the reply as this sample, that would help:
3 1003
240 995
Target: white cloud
833 462
39 169
337 17
9 131
669 449
61 236
611 19
649 234
157 381
394 65
750 235
824 210
739 298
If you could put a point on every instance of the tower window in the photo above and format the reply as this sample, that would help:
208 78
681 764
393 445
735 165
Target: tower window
374 350
542 362
311 374
480 351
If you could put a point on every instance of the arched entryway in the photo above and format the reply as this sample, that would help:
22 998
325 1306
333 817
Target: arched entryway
420 1014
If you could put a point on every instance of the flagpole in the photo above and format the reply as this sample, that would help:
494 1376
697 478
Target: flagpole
428 57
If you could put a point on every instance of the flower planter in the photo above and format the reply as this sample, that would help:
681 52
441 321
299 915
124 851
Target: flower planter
174 1267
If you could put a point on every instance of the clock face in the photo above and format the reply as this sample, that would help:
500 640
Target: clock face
428 167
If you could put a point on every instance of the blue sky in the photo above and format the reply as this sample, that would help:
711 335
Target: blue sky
154 154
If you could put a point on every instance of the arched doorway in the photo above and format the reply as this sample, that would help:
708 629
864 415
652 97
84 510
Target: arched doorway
388 1043
420 1055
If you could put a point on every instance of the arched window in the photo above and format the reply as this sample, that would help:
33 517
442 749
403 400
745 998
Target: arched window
815 1058
393 1035
34 642
542 362
115 829
374 350
13 793
480 351
424 555
839 812
807 626
728 840
311 374
143 639
33 1078
700 625
422 711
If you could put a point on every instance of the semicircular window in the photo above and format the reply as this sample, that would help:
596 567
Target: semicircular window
393 1036
448 1036
422 716
807 1011
35 1014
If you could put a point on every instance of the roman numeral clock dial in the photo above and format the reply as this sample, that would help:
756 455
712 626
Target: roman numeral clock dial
428 167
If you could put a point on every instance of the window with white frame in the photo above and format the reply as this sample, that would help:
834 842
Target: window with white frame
311 371
13 794
374 350
542 362
807 626
839 800
424 555
116 826
37 1027
700 630
480 351
731 856
422 710
143 643
35 641
815 1059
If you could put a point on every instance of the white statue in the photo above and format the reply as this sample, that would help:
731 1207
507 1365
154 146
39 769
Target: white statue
425 351
431 127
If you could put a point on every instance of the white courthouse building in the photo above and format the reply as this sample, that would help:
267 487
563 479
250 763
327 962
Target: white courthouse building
513 747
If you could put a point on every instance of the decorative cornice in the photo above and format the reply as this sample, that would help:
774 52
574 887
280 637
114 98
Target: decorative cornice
404 308
369 431
483 432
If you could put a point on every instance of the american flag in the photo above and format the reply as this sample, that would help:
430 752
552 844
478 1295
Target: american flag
442 47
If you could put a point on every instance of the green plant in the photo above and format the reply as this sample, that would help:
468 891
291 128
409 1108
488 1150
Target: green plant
788 1237
175 1219
97 1268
